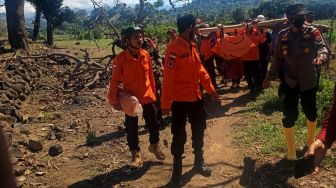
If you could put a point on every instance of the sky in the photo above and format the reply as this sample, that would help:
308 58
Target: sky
79 4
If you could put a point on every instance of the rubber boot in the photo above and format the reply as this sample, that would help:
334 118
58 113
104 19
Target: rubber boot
199 166
311 132
290 139
156 150
177 173
136 159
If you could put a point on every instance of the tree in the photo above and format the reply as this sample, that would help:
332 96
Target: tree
141 16
272 9
16 24
38 13
51 10
239 15
159 3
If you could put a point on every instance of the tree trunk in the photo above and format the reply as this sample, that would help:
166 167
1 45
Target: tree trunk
37 24
50 34
141 13
16 24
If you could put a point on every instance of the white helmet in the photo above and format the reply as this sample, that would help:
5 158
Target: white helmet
261 17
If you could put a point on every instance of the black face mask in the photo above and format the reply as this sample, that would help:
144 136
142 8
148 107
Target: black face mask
298 22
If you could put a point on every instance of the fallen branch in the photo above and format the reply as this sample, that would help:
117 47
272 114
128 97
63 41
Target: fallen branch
96 4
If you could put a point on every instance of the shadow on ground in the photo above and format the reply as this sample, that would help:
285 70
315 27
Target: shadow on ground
266 175
115 177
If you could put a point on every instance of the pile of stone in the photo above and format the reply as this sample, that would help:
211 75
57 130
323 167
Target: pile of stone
16 83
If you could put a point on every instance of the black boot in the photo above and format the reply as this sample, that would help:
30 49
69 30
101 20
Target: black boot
177 173
199 166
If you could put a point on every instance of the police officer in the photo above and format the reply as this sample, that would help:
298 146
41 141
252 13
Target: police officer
133 68
302 50
181 94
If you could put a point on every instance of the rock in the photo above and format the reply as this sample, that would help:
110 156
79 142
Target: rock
40 173
323 186
6 118
58 136
35 145
56 129
55 150
21 129
28 119
50 135
19 170
21 140
74 124
16 152
22 97
21 179
13 159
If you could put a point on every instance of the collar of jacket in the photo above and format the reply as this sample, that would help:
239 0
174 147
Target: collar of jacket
130 57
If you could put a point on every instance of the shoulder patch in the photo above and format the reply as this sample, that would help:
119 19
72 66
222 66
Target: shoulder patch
171 60
284 37
317 35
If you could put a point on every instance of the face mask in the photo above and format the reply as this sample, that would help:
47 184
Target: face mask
298 22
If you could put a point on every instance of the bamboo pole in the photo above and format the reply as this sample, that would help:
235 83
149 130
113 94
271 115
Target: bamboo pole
267 23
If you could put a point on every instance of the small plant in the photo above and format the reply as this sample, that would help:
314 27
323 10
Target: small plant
91 139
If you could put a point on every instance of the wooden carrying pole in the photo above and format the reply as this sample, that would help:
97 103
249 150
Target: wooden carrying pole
267 23
232 28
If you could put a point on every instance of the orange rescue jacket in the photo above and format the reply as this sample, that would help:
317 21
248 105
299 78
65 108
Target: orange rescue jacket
257 37
230 47
207 43
183 74
136 76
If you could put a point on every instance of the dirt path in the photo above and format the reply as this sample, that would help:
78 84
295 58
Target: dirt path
220 154
105 164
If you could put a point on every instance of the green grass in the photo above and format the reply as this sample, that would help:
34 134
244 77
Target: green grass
103 43
266 132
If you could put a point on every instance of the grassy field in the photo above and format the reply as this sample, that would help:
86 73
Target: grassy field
264 129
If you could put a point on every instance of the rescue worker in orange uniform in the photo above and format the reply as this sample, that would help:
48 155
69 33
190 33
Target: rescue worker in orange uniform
251 60
133 68
206 43
183 75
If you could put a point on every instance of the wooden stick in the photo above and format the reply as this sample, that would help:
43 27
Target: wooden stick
267 23
232 28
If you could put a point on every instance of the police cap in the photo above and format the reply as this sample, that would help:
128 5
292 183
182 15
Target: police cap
296 10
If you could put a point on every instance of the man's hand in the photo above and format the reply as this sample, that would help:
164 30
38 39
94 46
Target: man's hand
266 84
318 61
117 106
319 150
165 112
